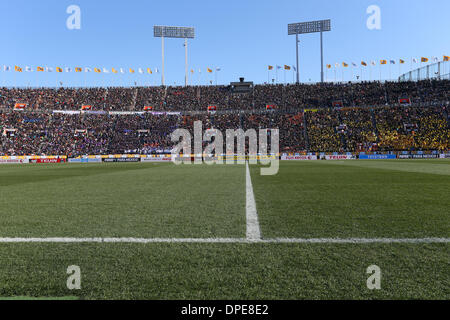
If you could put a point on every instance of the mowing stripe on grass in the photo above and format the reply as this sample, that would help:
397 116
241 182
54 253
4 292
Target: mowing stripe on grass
253 231
228 240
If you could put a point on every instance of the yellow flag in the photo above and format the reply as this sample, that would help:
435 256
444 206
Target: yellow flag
209 70
131 70
286 67
344 64
329 66
58 69
446 58
40 69
363 63
192 70
114 70
402 61
97 70
383 61
149 70
18 69
270 67
424 59
78 69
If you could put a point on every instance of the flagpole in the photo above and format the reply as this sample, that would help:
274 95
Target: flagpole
380 72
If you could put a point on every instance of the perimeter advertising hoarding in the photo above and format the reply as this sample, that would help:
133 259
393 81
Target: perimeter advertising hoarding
121 159
340 157
85 160
13 161
377 156
418 156
48 160
298 158
157 159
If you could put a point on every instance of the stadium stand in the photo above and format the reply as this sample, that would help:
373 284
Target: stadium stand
357 117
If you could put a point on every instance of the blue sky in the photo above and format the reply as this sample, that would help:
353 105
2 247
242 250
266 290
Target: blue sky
241 37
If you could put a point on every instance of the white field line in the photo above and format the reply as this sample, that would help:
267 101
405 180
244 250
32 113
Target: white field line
230 240
253 232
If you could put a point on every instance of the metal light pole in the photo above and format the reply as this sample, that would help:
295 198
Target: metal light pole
162 68
296 48
174 32
310 27
321 56
186 62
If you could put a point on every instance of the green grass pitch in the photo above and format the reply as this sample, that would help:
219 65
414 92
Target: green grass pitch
393 199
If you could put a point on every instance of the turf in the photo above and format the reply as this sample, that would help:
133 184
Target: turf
395 199
371 199
226 271
122 200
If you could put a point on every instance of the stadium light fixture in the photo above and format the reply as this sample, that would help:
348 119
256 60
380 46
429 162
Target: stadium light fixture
174 32
310 27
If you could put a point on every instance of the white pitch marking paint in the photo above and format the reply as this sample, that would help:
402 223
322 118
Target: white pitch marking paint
229 240
253 231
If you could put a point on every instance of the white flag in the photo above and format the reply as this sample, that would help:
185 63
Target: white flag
140 70
121 70
6 68
199 70
28 69
218 69
105 70
68 69
373 63
435 59
156 70
87 69
336 65
414 60
49 69
354 64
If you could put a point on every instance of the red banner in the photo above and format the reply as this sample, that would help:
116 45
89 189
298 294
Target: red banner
20 106
47 160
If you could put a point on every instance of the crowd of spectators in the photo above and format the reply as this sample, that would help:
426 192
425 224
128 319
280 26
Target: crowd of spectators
321 130
315 118
198 98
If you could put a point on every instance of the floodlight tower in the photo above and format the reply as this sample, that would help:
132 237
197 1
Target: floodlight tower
174 32
310 27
